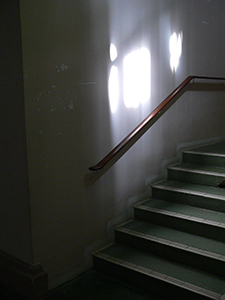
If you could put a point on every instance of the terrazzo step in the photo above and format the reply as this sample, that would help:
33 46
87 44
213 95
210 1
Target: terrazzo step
192 250
191 194
198 174
213 155
175 246
194 220
167 279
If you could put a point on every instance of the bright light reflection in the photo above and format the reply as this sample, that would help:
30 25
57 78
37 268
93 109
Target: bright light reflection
175 46
136 80
113 89
113 52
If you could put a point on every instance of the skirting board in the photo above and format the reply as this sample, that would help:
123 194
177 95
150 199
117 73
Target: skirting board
27 281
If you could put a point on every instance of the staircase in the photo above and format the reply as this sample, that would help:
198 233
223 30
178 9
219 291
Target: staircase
175 246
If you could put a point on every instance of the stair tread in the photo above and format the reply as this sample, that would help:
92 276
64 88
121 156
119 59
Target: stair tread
174 236
192 188
188 211
177 236
202 169
163 266
216 148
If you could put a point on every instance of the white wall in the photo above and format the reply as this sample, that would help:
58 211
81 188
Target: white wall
70 125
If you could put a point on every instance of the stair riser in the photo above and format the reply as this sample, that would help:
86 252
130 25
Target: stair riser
189 199
177 254
157 286
182 224
200 159
204 179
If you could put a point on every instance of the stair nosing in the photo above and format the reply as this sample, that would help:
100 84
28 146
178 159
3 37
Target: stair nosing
204 153
167 242
181 216
196 171
159 276
186 191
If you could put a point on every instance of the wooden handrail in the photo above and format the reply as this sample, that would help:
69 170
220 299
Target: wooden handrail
135 134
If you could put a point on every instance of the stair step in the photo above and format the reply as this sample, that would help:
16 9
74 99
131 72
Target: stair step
191 194
206 155
175 246
193 250
168 279
203 222
198 174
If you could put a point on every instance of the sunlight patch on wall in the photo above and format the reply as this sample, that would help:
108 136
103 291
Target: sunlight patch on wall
136 77
113 52
175 46
113 89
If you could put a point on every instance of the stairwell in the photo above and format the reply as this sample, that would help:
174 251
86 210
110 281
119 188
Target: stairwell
175 245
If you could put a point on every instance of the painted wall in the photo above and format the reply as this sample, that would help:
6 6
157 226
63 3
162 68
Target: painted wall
69 121
15 234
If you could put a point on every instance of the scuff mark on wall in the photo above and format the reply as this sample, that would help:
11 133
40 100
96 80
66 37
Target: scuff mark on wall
86 83
71 105
62 68
54 101
38 98
52 108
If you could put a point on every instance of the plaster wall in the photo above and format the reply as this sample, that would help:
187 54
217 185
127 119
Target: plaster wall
15 226
70 126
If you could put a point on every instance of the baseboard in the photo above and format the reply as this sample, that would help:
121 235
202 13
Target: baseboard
27 281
